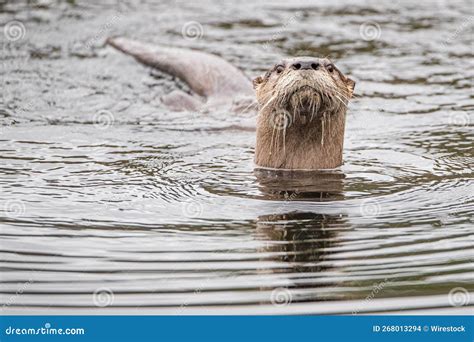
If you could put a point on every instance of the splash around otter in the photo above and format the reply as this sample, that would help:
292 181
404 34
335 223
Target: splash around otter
302 111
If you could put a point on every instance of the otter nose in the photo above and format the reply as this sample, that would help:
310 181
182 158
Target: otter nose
305 65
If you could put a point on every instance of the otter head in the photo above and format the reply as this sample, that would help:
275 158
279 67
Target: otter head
302 105
304 86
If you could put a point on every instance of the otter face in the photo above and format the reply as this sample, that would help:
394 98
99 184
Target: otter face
304 86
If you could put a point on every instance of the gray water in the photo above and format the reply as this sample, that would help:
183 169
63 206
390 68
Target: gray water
110 202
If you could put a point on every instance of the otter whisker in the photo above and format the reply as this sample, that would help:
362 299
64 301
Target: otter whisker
268 102
337 97
329 126
272 144
323 119
344 96
248 107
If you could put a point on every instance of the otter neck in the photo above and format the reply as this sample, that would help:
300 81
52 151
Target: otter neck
317 144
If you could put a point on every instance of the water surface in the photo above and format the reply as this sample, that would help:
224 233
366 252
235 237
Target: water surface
110 202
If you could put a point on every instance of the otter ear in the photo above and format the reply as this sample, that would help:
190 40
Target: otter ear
350 84
257 81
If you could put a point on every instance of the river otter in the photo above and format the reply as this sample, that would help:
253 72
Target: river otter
302 101
302 114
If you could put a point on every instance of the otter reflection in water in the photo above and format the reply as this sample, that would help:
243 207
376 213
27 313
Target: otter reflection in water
299 239
301 243
301 185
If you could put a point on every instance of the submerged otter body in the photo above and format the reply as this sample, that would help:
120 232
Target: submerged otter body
301 102
213 81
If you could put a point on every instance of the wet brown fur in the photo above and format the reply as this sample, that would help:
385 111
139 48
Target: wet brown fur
302 115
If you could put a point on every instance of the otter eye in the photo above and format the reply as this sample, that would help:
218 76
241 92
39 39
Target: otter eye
330 68
279 69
